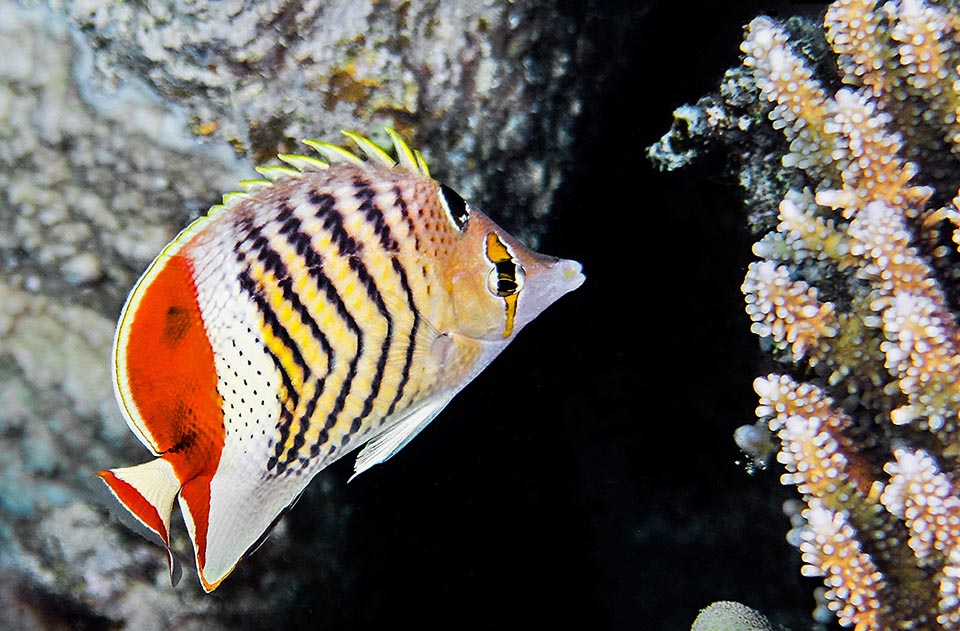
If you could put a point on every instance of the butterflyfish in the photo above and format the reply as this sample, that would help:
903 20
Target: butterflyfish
339 302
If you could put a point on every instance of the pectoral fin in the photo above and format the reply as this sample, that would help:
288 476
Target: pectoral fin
380 448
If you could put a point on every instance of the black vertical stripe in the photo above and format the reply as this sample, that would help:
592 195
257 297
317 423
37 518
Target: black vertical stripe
374 215
283 424
313 261
324 207
347 246
405 213
272 262
248 285
411 338
326 210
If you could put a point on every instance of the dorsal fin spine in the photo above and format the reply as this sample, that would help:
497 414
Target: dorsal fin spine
372 151
251 185
405 156
332 153
421 163
303 163
275 172
232 198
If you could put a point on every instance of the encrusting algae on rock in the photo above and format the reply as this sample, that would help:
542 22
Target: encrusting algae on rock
856 292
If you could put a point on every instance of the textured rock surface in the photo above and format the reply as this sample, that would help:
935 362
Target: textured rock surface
732 120
120 122
92 188
484 86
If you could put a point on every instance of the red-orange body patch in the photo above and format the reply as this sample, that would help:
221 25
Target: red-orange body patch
173 382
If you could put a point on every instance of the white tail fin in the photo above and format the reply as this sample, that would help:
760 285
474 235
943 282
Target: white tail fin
147 491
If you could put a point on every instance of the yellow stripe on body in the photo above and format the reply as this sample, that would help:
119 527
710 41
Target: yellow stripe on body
343 343
364 311
336 296
510 313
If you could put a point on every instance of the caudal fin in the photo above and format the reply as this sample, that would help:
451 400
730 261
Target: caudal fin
147 491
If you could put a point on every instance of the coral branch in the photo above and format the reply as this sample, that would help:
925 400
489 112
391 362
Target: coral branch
830 549
853 280
801 105
852 176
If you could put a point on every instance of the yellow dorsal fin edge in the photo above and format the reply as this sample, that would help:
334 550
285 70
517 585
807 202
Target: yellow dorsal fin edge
409 159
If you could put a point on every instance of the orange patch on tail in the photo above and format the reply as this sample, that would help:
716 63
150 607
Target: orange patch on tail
169 362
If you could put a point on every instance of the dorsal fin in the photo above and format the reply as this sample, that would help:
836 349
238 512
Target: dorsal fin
407 159
369 152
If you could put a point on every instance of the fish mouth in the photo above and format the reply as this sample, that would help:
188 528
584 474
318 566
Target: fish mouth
544 287
571 274
563 276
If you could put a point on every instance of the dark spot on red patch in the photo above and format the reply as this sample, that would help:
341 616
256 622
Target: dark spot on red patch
176 325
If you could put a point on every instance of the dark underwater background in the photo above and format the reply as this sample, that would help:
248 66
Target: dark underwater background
589 477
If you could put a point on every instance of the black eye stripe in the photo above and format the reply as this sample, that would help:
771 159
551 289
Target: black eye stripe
455 206
506 287
506 277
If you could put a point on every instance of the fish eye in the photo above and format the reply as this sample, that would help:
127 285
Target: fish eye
505 279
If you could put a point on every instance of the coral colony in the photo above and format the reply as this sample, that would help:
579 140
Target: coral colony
858 286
